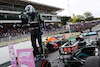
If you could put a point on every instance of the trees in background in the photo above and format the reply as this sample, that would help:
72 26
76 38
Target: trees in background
77 18
96 18
87 16
64 19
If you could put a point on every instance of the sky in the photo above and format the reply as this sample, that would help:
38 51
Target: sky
77 7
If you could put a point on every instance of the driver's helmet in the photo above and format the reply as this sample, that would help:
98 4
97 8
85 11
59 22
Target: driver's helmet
80 38
29 9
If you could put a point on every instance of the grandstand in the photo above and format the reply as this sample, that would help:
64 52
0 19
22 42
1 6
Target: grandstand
11 9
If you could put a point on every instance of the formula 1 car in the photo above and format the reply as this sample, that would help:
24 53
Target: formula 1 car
87 38
73 56
53 43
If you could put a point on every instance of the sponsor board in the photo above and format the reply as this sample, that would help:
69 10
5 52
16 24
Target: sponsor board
12 55
25 58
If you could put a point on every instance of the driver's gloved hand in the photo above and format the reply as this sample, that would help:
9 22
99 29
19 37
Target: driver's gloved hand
41 33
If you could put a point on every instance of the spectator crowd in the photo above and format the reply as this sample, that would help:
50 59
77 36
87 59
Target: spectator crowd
19 31
52 27
6 32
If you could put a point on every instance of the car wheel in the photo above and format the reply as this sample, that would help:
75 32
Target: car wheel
46 51
98 42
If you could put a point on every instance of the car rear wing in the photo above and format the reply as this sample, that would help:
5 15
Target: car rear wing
67 49
90 33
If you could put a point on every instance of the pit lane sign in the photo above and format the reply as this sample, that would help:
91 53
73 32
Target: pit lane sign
25 58
12 55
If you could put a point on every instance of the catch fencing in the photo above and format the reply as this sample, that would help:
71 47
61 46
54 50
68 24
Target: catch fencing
78 26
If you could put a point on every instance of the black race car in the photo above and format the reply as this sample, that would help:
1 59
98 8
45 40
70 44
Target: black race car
71 55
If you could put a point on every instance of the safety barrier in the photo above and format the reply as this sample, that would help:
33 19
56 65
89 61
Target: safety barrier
26 37
15 39
59 31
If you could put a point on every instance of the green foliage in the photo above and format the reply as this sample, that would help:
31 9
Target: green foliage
88 16
77 18
96 18
80 16
65 19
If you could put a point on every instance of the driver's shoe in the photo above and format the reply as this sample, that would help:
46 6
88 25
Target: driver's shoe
36 58
42 57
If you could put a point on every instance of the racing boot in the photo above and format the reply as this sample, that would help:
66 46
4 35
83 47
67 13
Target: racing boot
42 57
36 58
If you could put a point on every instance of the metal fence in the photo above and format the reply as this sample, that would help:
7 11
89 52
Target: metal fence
26 37
53 32
13 40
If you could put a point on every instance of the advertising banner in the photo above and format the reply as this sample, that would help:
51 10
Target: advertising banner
25 58
12 55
